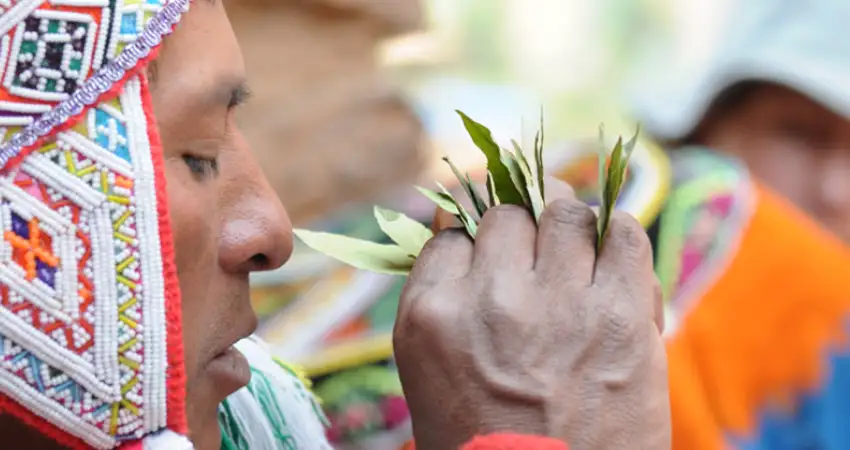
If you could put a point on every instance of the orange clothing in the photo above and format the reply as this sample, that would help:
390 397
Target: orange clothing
759 335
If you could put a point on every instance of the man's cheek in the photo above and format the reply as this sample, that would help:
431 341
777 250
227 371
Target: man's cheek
191 227
196 323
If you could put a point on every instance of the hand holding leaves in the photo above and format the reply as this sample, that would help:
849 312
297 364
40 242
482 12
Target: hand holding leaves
511 179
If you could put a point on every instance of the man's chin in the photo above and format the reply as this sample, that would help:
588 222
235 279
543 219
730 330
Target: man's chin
220 378
207 437
202 414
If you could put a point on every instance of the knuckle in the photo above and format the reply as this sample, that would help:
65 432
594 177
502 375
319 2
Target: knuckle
629 228
414 289
630 234
430 312
570 212
498 306
621 323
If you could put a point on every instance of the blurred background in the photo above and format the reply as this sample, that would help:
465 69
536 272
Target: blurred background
354 103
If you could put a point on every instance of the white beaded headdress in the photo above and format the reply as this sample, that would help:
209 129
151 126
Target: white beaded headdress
90 338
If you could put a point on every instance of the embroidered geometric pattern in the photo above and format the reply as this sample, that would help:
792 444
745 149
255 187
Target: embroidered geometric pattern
82 281
701 223
72 234
49 47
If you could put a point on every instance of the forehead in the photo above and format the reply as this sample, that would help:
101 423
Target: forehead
194 75
200 55
780 99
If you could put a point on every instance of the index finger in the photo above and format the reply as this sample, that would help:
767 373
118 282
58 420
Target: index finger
446 256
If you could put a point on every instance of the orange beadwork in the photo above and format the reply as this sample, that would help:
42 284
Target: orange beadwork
28 251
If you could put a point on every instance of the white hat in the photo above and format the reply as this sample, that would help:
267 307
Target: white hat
801 44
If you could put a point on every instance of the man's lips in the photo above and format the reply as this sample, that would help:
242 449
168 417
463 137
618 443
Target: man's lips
230 370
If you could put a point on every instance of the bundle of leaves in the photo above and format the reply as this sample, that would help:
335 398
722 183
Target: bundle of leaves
511 179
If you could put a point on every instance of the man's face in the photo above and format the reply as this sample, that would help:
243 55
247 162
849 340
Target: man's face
227 221
798 147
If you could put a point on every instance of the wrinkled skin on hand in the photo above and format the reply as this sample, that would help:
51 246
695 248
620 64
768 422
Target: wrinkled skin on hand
525 331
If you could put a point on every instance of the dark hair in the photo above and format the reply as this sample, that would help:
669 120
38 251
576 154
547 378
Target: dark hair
728 100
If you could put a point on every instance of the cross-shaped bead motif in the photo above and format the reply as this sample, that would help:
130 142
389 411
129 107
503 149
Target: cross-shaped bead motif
32 249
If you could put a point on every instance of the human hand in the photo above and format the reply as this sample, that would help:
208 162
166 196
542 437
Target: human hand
525 330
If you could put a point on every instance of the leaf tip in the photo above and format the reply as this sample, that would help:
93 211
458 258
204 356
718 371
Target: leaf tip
385 214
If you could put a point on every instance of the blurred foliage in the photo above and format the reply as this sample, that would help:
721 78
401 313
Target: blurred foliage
476 36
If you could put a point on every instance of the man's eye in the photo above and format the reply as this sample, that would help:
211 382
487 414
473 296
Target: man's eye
201 166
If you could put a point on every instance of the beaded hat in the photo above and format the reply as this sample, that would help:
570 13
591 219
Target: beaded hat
90 339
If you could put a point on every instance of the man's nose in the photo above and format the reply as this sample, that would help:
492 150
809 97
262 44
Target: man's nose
256 233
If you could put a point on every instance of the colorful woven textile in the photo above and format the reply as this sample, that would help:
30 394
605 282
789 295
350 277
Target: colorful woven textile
759 357
758 295
90 344
276 411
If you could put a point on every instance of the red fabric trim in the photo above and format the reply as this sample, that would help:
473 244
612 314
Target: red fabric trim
508 442
135 445
30 419
176 380
514 442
